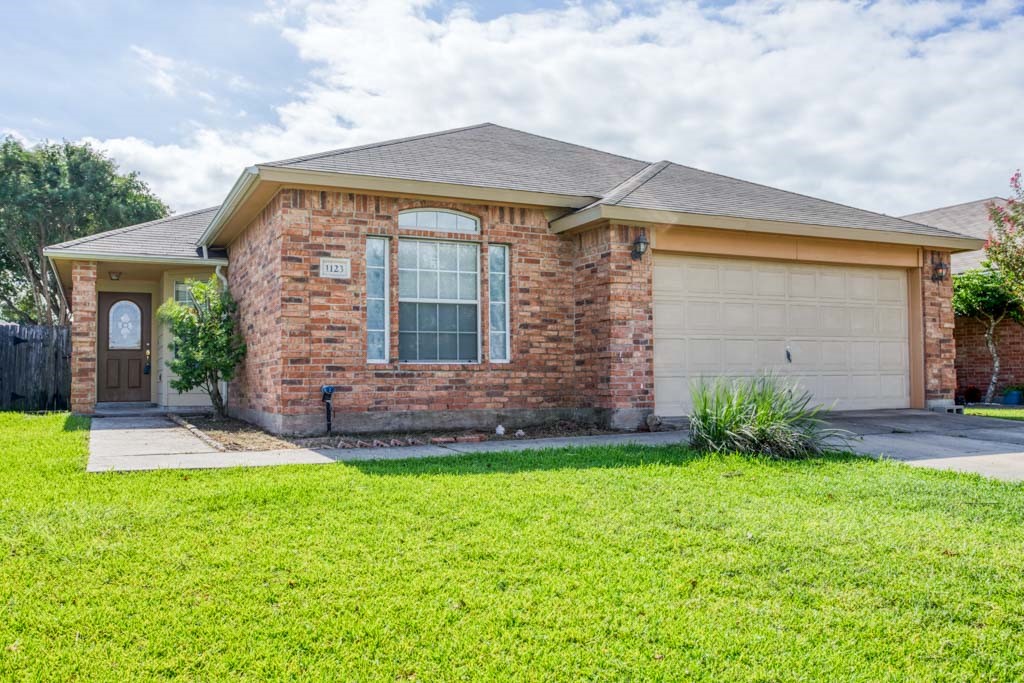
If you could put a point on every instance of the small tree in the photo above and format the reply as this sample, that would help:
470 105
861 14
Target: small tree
206 344
1005 246
984 295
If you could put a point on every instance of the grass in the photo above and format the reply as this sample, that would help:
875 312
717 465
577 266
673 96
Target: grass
1005 413
587 564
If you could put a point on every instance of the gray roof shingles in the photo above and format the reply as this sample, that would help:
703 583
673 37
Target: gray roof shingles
485 155
493 156
673 187
969 218
171 237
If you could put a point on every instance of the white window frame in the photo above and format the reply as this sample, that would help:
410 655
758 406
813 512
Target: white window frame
474 230
476 302
387 301
507 302
174 294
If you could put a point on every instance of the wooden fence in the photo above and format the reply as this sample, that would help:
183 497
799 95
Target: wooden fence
35 367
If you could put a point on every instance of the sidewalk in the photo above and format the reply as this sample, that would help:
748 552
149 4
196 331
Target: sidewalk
124 444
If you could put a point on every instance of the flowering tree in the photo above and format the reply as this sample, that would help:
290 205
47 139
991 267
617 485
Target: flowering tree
1005 246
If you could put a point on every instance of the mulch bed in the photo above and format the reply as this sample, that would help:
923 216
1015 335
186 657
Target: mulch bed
235 435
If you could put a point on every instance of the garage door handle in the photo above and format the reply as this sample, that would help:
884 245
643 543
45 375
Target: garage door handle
789 356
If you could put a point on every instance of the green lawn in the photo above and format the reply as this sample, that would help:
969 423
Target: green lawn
1005 413
593 564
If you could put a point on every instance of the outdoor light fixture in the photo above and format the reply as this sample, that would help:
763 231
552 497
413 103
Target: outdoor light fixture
940 269
640 245
115 275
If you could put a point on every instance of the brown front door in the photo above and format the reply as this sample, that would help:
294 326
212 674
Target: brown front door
124 354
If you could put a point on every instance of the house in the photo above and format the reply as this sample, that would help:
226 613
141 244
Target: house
973 360
483 274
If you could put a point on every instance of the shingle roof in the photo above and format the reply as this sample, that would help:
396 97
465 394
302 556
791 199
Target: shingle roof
171 237
486 155
667 186
969 218
493 156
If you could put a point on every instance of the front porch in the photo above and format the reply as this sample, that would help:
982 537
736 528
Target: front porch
119 348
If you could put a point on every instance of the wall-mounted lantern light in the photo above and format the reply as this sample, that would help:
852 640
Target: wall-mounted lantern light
115 275
940 269
640 245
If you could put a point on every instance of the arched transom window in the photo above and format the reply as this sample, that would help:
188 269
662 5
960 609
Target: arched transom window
125 331
438 219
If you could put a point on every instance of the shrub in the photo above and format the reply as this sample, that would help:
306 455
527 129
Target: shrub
762 416
207 346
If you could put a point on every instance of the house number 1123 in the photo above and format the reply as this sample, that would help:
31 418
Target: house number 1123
337 268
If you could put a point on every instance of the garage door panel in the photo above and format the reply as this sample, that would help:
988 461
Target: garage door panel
739 317
845 326
740 355
771 317
705 356
862 320
804 318
832 285
701 278
703 315
771 281
834 320
738 280
891 288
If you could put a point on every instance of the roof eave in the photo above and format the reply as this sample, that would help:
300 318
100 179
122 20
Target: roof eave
76 255
603 212
259 183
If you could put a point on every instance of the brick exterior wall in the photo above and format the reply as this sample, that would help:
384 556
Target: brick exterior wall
83 337
581 323
304 331
939 341
614 328
974 364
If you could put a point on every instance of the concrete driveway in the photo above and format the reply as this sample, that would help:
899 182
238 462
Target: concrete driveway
990 446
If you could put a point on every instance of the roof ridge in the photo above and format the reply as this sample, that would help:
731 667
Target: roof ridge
572 144
372 145
128 228
818 199
635 182
953 206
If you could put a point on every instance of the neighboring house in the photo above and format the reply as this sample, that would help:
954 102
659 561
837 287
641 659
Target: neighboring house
973 361
484 275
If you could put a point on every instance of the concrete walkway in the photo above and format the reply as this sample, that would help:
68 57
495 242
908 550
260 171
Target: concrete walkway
989 446
123 444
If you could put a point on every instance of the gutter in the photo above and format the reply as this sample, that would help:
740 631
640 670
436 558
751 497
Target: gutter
239 191
68 255
660 217
60 285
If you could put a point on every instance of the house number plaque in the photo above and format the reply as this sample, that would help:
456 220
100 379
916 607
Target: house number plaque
337 268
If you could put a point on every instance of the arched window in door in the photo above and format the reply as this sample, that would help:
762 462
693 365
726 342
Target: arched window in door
125 331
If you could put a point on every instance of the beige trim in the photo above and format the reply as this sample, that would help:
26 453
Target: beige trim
915 317
652 217
782 247
64 254
258 184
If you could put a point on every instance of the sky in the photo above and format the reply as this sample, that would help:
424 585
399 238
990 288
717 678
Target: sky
891 106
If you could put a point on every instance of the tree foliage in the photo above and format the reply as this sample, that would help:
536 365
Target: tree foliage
52 193
985 295
206 344
1005 246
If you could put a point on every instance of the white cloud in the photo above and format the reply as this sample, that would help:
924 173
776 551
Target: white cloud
890 106
162 72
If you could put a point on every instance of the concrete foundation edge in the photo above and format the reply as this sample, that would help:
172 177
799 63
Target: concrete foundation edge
424 420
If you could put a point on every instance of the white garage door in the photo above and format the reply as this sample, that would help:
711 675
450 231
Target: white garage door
844 327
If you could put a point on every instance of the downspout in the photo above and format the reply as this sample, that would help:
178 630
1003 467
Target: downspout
224 284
